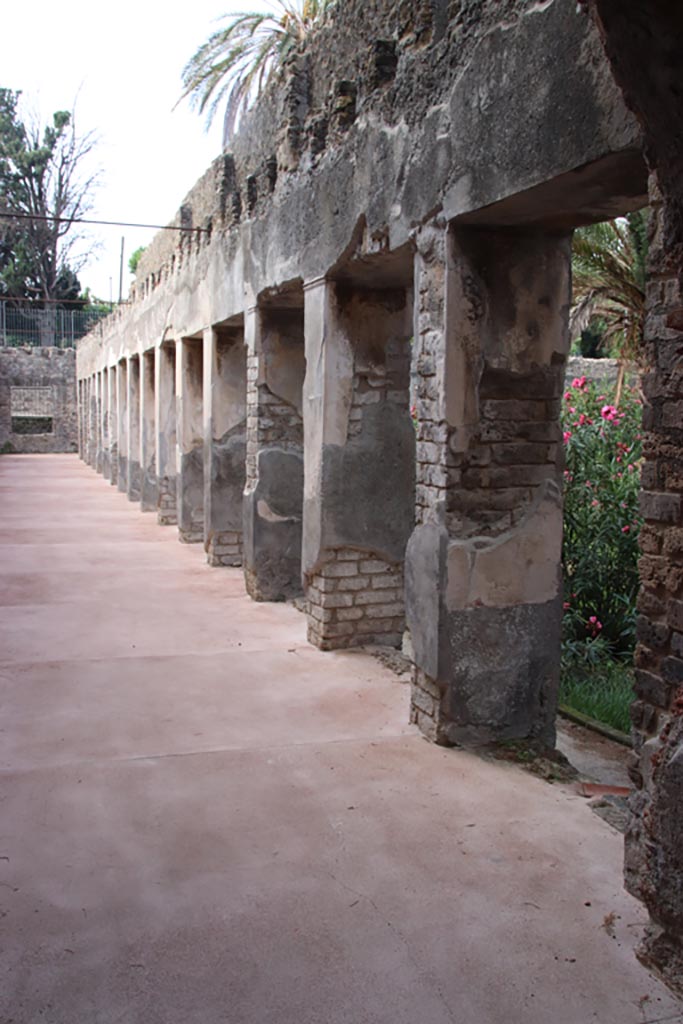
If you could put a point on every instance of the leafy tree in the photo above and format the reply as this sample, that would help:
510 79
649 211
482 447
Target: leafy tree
135 259
44 190
238 59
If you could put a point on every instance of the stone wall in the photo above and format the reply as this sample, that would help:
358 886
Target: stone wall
38 405
654 843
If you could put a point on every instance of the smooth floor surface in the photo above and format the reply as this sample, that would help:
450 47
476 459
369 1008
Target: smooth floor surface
203 819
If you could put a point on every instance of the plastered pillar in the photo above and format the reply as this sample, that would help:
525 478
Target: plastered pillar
123 432
273 496
148 470
106 442
99 439
133 410
113 425
165 427
359 462
224 364
483 578
82 444
190 440
93 421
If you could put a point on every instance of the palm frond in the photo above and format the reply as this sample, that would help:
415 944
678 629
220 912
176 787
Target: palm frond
237 60
608 274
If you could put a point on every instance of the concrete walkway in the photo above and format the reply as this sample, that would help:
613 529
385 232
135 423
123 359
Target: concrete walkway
205 820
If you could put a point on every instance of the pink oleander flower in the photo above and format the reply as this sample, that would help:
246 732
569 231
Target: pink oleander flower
593 625
579 382
626 529
566 605
585 420
566 435
567 396
630 467
571 409
595 503
609 412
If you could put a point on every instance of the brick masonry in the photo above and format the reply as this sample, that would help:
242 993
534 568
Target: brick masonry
355 599
224 548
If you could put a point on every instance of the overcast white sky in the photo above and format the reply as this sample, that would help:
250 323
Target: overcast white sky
123 62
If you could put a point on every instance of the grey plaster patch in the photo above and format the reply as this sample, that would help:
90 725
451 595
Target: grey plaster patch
134 480
368 485
190 490
226 479
122 476
503 674
149 494
425 568
272 549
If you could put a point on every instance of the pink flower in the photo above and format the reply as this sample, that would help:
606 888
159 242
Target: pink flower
566 605
593 625
583 419
567 396
626 529
609 412
572 409
601 398
630 467
595 503
579 382
588 483
566 435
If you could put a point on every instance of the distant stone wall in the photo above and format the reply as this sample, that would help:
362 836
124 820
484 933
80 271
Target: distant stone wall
38 408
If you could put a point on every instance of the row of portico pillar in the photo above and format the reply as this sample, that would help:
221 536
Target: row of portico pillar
385 442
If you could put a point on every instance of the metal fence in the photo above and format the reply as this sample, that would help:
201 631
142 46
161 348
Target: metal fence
22 325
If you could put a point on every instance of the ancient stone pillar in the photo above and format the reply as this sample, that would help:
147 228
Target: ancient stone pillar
225 438
99 439
112 390
483 580
359 489
82 432
273 496
93 421
134 468
148 470
654 841
105 429
123 435
190 440
165 426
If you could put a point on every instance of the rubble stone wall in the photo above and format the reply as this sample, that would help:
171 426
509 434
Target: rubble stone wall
38 401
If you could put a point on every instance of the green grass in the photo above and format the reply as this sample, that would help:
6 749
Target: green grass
603 691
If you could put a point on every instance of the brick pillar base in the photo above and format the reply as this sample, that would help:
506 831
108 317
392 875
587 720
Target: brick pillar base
355 599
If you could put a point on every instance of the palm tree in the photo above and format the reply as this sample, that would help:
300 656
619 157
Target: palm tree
237 60
608 279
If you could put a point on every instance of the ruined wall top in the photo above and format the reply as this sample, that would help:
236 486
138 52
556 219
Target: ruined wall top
389 115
